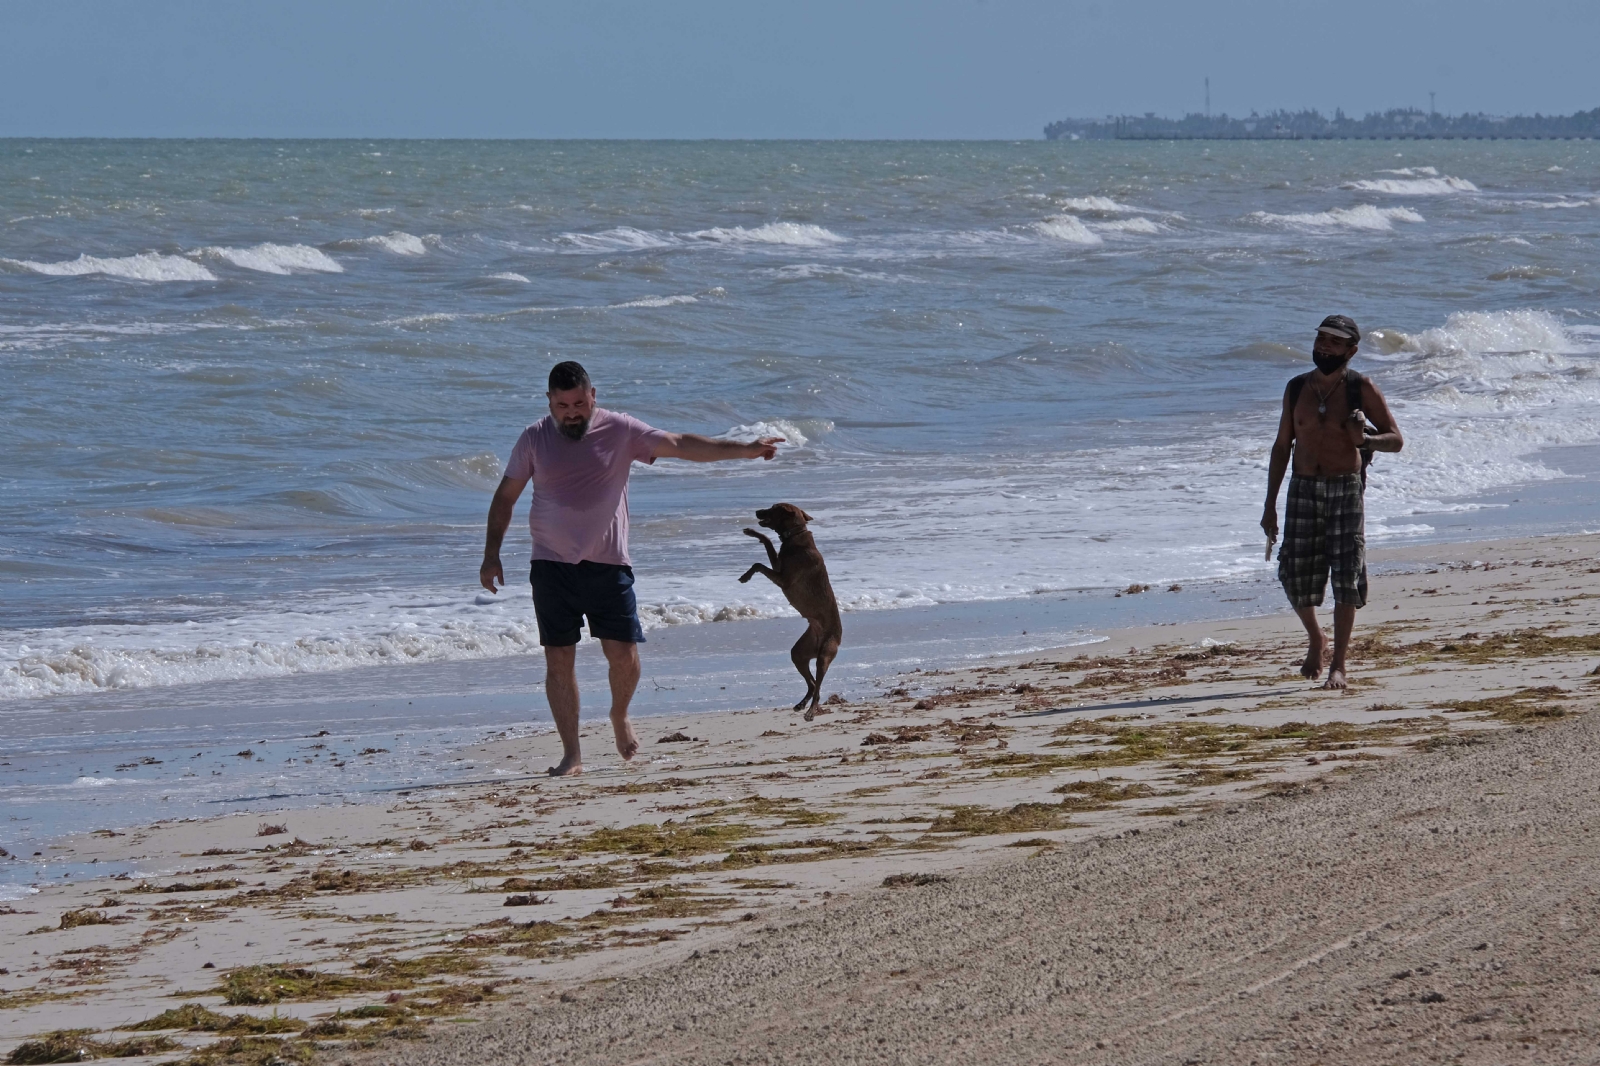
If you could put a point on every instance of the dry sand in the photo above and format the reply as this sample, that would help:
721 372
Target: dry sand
1167 844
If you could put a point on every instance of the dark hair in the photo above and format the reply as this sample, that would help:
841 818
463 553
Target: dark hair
568 375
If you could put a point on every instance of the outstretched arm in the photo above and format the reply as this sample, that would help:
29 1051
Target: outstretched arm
500 511
698 449
1277 467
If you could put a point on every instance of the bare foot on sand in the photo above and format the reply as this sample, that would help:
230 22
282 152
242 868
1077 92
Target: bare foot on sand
571 766
627 743
1335 678
1311 668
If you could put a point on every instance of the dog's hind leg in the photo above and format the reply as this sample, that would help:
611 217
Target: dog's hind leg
828 648
804 650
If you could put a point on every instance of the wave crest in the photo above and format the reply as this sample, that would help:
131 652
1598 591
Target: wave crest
146 266
799 234
1068 229
1361 217
277 258
1415 186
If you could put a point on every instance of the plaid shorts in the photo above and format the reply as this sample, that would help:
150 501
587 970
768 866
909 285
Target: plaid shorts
1324 528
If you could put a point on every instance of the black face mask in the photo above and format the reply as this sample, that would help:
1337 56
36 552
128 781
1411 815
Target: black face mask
1329 364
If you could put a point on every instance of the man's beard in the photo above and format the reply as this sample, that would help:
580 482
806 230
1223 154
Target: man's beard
1330 364
573 430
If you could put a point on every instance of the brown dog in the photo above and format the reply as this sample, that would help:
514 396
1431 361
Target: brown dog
798 570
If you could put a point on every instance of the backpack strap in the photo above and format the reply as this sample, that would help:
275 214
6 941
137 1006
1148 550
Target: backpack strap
1296 387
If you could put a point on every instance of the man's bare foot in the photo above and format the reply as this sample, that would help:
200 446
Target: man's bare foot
627 743
570 766
1335 678
1311 668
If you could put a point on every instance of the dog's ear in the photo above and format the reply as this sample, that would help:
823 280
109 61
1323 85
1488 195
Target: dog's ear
807 517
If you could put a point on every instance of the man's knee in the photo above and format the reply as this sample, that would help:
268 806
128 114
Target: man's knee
560 660
619 652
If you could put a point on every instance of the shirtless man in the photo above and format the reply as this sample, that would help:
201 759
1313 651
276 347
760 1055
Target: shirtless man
1324 518
578 459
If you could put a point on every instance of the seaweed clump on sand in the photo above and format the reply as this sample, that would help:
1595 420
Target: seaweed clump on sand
194 1018
1524 705
74 1045
973 820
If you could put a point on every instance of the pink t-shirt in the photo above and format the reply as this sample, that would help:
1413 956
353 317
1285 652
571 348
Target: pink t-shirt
580 487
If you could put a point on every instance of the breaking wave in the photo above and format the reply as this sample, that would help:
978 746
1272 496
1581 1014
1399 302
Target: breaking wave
277 258
620 239
1361 217
799 234
146 266
1068 229
397 243
1415 186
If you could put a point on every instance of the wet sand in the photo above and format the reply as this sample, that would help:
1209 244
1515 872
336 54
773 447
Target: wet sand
1168 843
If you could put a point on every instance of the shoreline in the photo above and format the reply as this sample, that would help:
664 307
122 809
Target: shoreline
453 898
127 758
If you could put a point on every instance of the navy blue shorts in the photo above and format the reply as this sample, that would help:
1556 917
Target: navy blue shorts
565 593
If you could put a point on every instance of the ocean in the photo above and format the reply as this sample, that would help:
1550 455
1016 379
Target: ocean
258 393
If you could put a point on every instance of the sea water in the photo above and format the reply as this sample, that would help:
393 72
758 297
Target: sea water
257 394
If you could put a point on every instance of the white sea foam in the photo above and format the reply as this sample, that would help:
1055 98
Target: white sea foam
1088 205
432 318
1415 186
397 243
809 271
1138 224
1360 217
799 234
146 266
1413 172
509 276
793 436
1068 229
277 258
657 301
619 239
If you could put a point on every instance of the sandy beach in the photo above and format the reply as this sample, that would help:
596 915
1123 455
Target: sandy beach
1163 847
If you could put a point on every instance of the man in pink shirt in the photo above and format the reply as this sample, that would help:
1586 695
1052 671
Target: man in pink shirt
578 458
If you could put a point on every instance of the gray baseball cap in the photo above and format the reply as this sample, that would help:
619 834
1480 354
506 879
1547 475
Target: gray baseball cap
1341 326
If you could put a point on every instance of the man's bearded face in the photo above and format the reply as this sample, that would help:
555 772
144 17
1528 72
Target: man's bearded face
572 409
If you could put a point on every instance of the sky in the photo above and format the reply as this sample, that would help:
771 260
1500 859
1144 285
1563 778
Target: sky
743 68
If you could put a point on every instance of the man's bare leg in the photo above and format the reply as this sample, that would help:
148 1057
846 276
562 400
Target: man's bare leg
1344 622
623 657
1311 668
561 689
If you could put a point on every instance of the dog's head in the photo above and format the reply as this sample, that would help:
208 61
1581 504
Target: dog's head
783 518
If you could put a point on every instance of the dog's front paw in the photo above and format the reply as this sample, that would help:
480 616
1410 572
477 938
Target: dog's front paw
756 533
745 580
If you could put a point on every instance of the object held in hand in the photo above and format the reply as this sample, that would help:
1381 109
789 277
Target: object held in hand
1270 542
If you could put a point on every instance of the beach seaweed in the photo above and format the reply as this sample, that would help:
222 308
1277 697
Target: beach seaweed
74 1045
975 820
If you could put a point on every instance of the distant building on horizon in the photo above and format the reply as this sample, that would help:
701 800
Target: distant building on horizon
1396 124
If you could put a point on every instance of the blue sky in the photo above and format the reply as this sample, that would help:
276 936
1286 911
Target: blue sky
708 68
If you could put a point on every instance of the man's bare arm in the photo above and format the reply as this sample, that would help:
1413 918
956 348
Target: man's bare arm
698 449
1376 410
501 509
1282 447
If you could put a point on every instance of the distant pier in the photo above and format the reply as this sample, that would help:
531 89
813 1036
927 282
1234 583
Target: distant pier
1401 124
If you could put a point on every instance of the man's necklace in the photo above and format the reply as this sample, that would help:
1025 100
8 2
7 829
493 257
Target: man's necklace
1322 397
